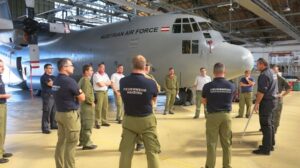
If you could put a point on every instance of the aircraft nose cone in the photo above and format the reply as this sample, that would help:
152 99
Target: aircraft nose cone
236 58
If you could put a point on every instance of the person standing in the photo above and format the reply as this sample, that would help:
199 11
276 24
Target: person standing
49 108
218 95
87 109
67 96
200 81
246 93
148 74
172 89
3 116
101 82
115 79
265 103
283 89
138 94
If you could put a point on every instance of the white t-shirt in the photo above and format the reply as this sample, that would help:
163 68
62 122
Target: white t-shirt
100 78
200 81
115 78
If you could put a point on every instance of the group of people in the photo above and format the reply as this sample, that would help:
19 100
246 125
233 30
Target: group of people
75 108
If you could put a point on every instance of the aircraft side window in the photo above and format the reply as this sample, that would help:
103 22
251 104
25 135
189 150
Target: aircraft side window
186 28
186 46
178 20
177 28
185 20
195 46
207 35
195 27
192 20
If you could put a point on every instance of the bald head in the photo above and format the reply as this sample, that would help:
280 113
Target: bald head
139 62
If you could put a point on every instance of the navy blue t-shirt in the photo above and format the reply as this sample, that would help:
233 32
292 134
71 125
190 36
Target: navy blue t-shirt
65 91
267 84
245 89
137 92
2 90
219 94
44 80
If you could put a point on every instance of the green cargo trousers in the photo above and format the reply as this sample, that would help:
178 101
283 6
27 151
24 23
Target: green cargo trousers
132 128
245 98
3 119
277 114
218 124
119 105
68 135
101 107
170 100
87 114
198 104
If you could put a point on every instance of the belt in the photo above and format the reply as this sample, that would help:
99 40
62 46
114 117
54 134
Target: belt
100 90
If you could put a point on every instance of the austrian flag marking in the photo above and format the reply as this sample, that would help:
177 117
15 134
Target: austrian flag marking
165 29
35 64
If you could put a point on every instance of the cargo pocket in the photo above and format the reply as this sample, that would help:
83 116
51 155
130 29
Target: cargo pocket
73 136
151 142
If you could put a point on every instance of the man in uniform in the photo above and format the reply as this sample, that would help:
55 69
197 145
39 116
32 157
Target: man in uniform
49 108
3 116
267 89
218 95
67 96
138 94
115 84
101 82
147 72
246 90
200 81
87 109
172 88
283 89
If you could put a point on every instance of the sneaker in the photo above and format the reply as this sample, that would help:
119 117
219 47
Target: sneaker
105 124
139 147
195 117
97 126
7 155
91 147
261 152
3 160
46 131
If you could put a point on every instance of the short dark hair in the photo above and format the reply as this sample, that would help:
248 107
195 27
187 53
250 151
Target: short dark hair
62 62
202 68
119 65
47 65
219 67
263 61
102 63
274 66
171 68
86 67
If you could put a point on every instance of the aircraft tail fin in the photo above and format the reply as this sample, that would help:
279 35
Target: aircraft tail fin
6 22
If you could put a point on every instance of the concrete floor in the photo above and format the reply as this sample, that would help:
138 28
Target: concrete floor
182 139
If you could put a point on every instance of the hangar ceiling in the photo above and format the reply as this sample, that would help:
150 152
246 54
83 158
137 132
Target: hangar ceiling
261 22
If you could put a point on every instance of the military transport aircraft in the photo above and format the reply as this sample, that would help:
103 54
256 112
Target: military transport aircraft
185 42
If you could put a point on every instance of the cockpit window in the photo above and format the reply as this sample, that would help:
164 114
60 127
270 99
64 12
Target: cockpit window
192 20
178 20
185 20
195 27
186 28
177 28
205 26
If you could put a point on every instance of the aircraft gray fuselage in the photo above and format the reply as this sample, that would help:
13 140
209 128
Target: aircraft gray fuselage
117 43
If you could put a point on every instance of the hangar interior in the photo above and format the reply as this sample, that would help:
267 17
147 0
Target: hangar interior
269 29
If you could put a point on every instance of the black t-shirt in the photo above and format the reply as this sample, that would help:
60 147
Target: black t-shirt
137 92
267 84
219 94
65 90
44 80
2 90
